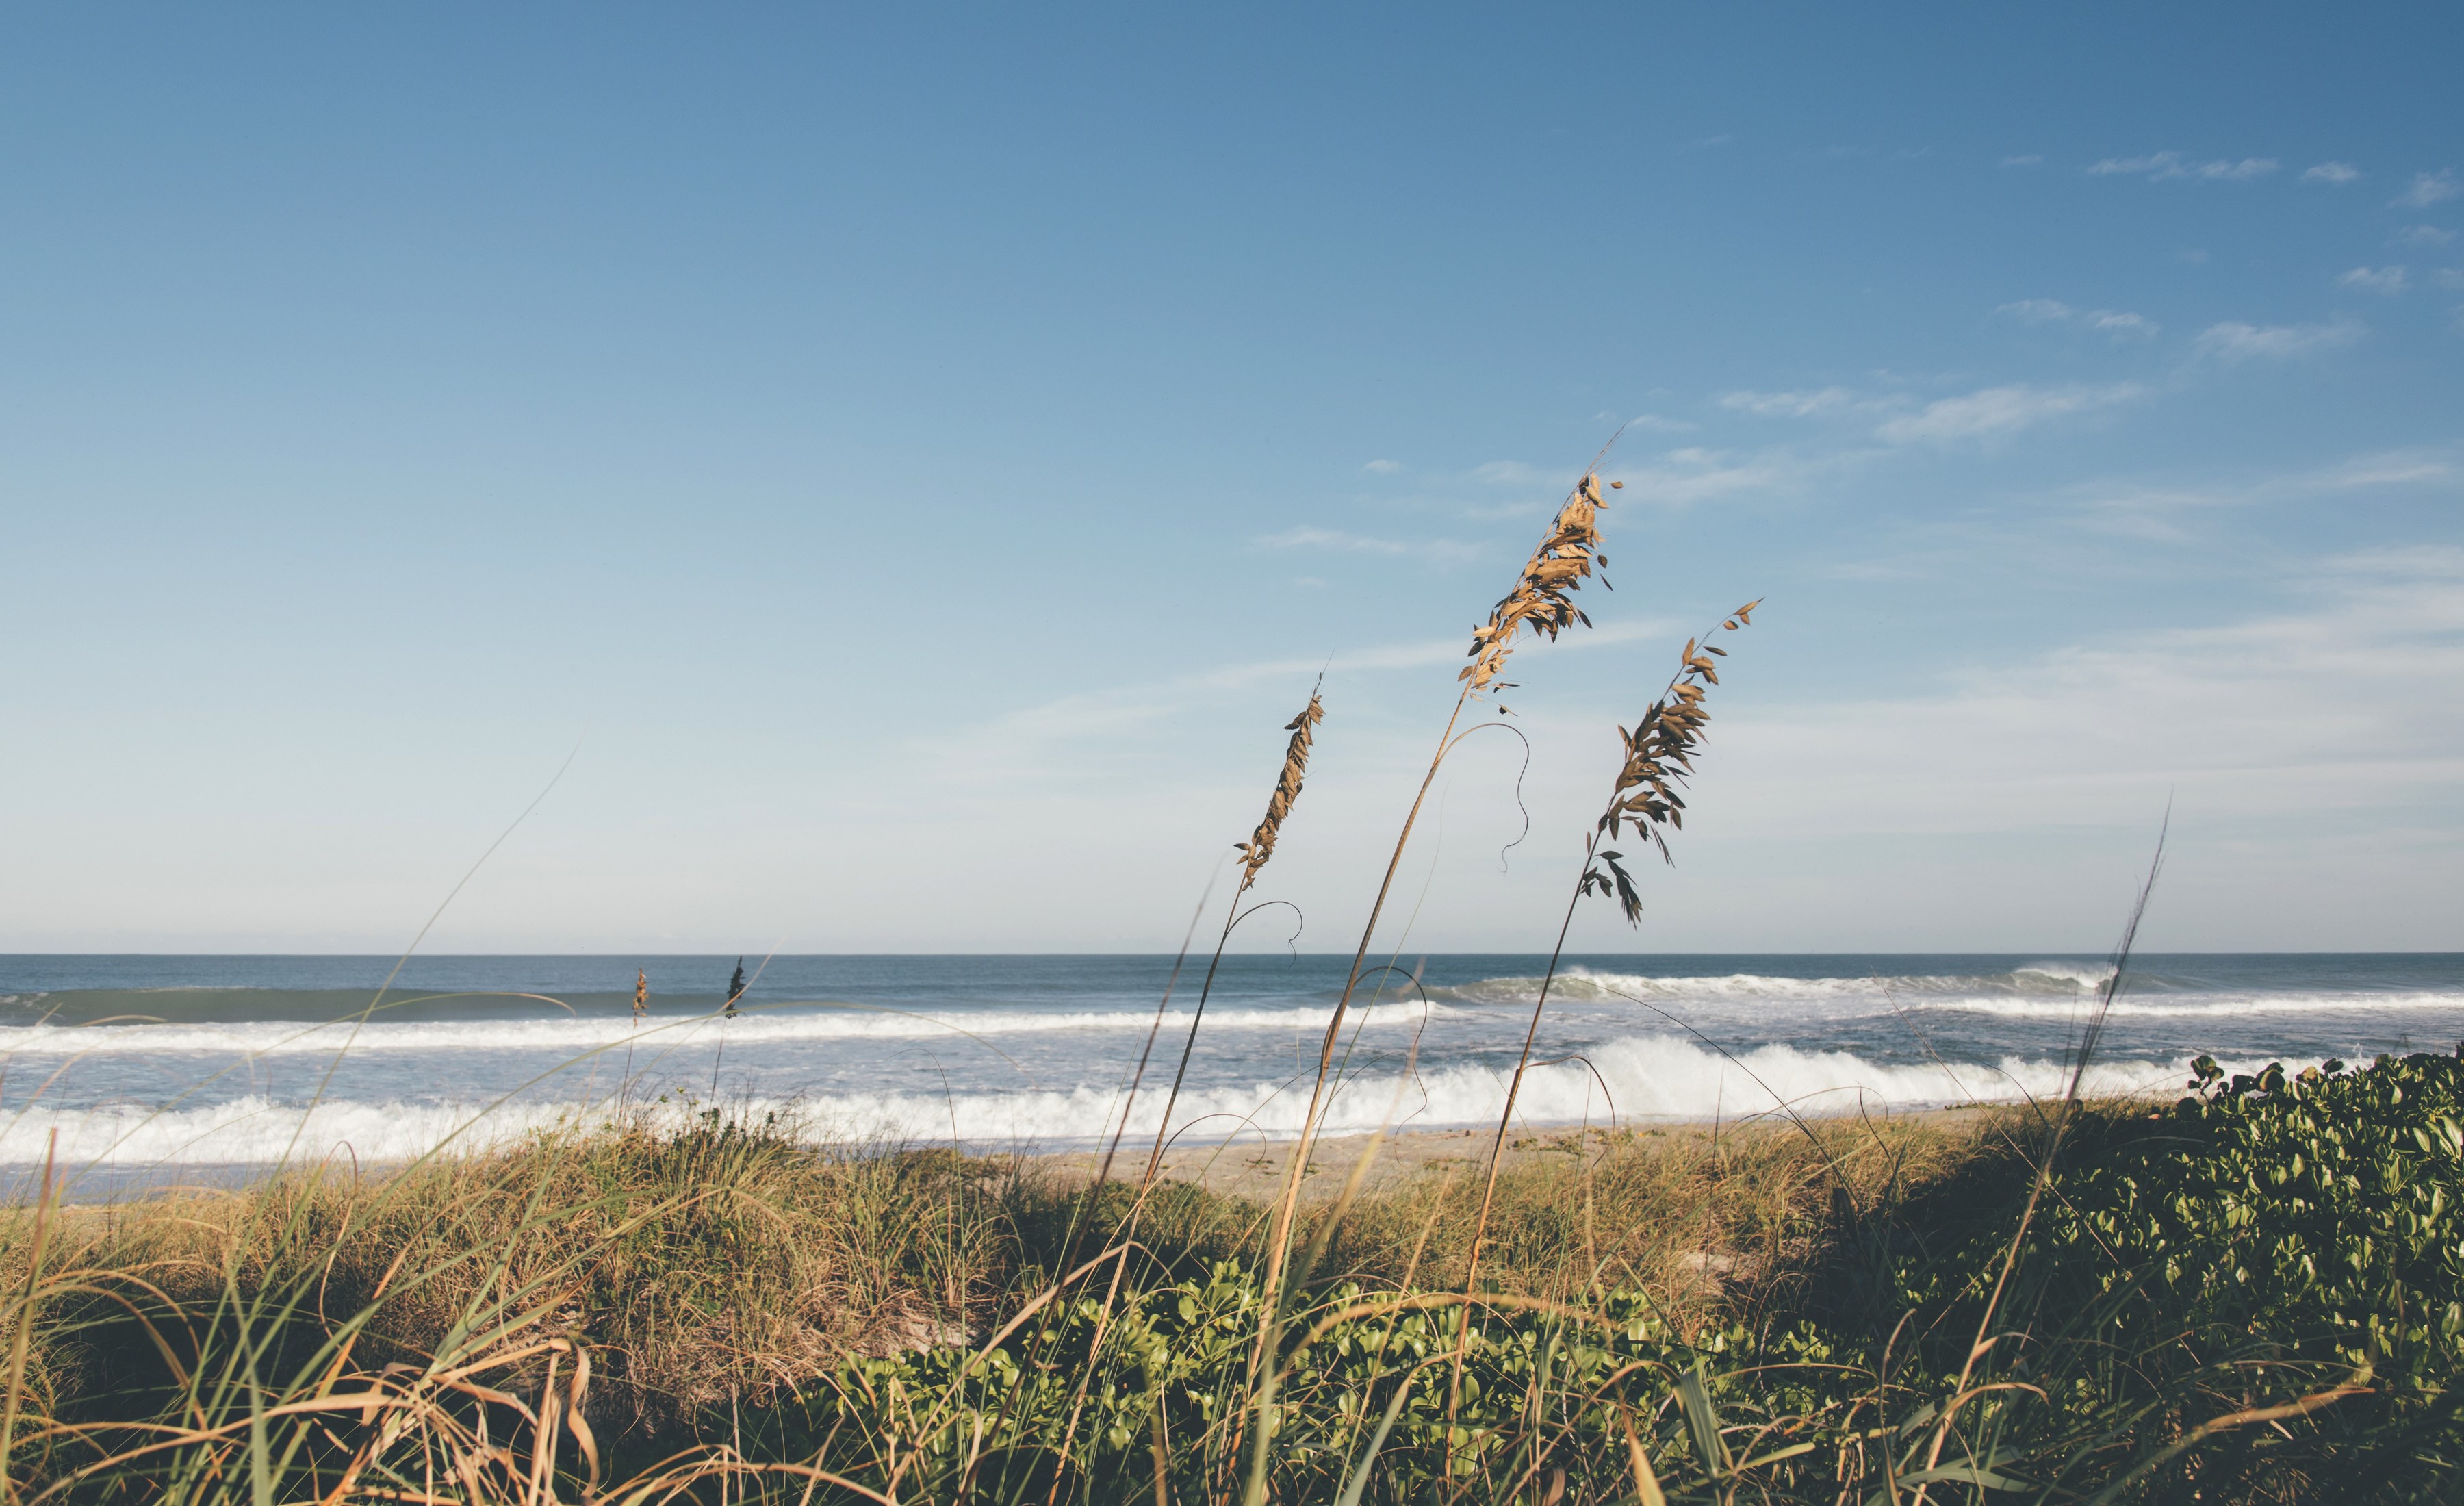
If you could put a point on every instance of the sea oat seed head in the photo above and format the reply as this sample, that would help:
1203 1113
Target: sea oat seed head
1658 755
1260 845
1543 598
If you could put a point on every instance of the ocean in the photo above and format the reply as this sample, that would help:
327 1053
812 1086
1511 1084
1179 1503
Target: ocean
198 1067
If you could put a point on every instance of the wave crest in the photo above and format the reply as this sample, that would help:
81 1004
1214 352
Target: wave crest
578 1036
2060 980
1648 1077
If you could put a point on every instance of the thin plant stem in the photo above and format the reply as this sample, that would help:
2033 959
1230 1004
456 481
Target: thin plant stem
1542 600
22 1330
1644 768
2038 1185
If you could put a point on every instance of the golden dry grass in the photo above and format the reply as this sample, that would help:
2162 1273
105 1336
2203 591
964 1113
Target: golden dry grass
722 1263
698 1266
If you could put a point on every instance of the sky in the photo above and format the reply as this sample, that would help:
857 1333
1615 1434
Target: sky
888 473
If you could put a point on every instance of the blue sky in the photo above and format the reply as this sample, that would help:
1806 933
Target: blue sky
922 455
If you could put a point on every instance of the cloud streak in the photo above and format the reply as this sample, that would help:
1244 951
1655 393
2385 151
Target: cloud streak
1793 405
1047 739
2038 311
2118 322
1995 411
2055 740
2428 189
2374 279
1683 477
2150 510
2234 342
2168 166
1307 536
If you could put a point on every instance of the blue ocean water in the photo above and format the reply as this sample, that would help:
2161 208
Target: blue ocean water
161 1061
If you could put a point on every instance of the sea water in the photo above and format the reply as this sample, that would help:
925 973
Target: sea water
116 1066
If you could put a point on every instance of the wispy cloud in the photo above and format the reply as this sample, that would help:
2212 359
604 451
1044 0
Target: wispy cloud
2238 341
2449 276
2116 323
2385 468
1515 472
1680 478
2422 236
2429 189
2164 165
1499 489
1994 412
2031 160
1659 423
2235 340
1396 657
1307 536
2059 738
1021 745
2332 172
2373 279
1050 740
2155 509
2037 311
1791 405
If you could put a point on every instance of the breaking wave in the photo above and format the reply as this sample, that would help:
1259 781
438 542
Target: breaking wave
1649 1077
2214 1008
2051 980
574 1037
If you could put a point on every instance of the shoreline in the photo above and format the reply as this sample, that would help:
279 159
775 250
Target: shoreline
1255 1168
1251 1166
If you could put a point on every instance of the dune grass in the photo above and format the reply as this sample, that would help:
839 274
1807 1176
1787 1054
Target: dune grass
728 1268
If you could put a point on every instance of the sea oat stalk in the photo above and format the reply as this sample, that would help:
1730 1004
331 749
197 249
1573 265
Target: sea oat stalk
1659 756
1255 853
1542 600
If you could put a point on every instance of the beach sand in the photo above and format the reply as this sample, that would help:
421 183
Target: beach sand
1256 1168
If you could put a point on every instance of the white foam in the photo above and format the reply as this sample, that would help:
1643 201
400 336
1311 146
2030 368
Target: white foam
2208 1006
572 1036
2076 977
255 1131
1647 1077
1583 984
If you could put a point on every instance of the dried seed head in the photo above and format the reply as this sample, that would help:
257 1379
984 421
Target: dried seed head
1260 845
1658 755
1544 597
